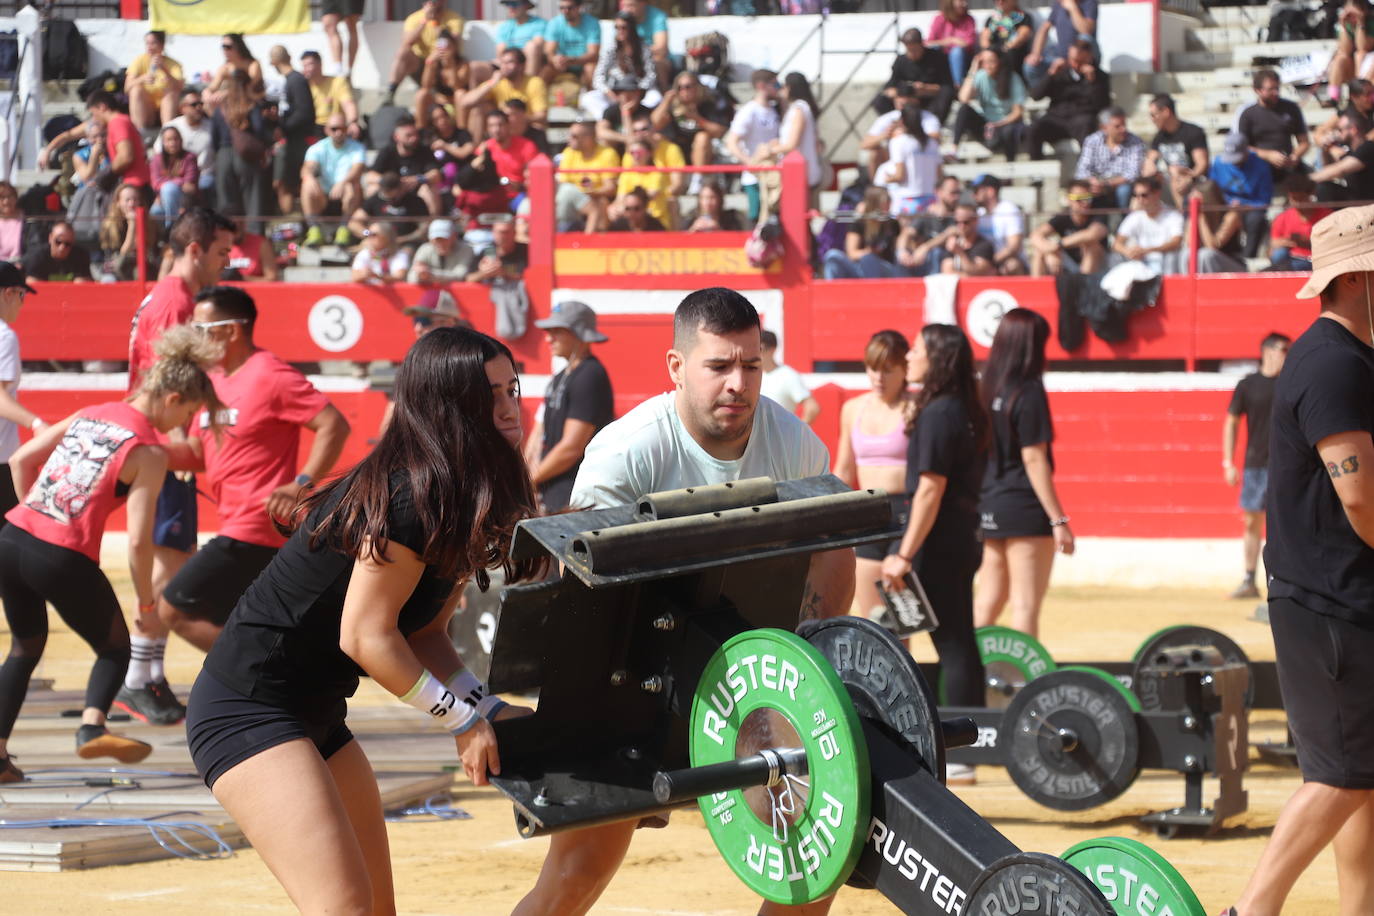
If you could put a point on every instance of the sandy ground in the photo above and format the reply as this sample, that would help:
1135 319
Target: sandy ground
480 866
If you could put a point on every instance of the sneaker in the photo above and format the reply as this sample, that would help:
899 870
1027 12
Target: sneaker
9 772
314 237
1246 589
153 703
960 774
97 741
1261 612
343 238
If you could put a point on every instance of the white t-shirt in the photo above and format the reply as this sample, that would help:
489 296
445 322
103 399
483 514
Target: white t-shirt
922 168
1139 229
1005 220
381 267
929 123
649 450
755 125
198 141
784 385
9 377
809 147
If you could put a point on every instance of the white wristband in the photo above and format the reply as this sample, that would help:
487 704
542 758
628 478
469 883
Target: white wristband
465 685
434 699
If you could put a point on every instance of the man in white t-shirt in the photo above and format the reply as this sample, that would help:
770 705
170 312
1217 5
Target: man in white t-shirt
755 125
196 136
783 384
713 427
889 124
1003 222
12 413
1151 233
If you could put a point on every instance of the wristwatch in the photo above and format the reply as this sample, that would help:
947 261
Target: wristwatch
303 480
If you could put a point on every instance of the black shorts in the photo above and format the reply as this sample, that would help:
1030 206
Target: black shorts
211 582
1012 517
876 550
225 728
175 522
8 498
1325 667
341 8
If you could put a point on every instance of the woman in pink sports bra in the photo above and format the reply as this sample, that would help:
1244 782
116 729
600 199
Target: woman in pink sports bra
872 450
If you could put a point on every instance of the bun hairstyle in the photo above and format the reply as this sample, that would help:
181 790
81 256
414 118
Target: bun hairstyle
183 355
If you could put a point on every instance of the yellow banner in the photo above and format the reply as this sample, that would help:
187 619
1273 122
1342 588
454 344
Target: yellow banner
219 17
585 262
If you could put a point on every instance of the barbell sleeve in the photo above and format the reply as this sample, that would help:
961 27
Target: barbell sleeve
961 731
765 768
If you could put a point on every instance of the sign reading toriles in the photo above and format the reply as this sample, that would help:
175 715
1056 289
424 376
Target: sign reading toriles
655 261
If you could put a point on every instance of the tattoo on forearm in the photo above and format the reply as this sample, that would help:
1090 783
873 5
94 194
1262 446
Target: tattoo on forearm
810 604
1349 465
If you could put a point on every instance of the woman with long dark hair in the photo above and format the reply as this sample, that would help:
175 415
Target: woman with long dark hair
914 165
237 59
626 57
992 107
870 242
243 150
798 130
361 588
175 176
1023 521
945 460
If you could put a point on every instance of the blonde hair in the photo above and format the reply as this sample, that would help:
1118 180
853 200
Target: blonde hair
183 354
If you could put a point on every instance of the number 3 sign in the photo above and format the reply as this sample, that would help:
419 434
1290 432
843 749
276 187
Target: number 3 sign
335 323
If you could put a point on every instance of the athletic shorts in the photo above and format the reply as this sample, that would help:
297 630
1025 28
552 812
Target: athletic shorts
8 498
341 7
224 728
1254 486
877 550
174 523
212 581
1014 518
1325 667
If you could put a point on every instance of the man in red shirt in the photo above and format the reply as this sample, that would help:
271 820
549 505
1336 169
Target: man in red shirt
200 240
510 154
252 467
127 157
1291 248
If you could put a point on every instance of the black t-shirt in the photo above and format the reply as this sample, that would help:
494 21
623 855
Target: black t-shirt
982 247
612 116
1313 554
682 129
1019 418
407 205
933 67
942 443
1360 186
281 643
581 394
929 225
884 243
415 165
459 137
1272 128
1176 147
1063 225
40 264
623 225
1254 400
1364 123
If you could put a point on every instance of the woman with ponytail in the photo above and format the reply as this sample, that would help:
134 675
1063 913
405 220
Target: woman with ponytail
73 474
362 587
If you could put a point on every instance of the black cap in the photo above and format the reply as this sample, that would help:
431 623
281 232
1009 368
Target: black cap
988 181
625 84
12 274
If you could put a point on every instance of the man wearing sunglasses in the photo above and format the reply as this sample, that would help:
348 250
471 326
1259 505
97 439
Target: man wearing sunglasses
62 260
1073 240
332 181
1151 233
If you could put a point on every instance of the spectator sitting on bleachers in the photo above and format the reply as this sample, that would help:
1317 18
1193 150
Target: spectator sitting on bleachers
330 95
1244 181
479 198
90 159
445 75
572 44
119 237
1010 30
1077 91
331 181
754 127
511 155
889 124
251 257
1220 243
296 125
993 98
11 224
939 216
128 160
1360 109
507 258
153 83
175 176
522 30
419 33
518 115
380 259
442 259
913 167
627 104
966 251
1270 126
452 146
622 61
633 209
1072 21
927 69
237 59
403 210
1151 233
711 215
652 25
196 137
61 260
1356 168
1072 240
954 32
870 242
581 198
1178 149
646 149
693 117
1290 244
1354 42
509 82
1003 222
1111 160
412 160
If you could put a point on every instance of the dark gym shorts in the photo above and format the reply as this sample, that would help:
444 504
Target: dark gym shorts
1014 518
1254 487
341 7
1325 667
225 728
877 550
175 522
211 582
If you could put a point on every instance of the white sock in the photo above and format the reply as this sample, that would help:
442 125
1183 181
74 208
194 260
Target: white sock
141 652
159 650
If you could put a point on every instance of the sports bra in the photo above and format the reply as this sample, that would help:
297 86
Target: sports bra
883 449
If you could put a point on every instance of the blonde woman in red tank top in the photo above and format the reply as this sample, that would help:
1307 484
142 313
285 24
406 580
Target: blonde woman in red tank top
872 449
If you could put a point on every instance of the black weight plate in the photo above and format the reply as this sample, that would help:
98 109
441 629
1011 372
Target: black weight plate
1034 884
1071 739
1185 635
884 682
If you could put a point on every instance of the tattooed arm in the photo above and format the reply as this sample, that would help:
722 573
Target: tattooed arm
1349 460
829 588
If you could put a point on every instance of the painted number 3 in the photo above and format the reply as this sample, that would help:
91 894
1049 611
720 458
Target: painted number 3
335 323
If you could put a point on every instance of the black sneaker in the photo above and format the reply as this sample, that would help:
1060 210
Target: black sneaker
9 772
97 741
153 703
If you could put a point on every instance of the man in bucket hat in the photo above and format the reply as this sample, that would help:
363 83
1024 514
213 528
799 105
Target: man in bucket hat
577 404
1320 559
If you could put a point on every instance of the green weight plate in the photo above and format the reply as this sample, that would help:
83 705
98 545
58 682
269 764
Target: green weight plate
1190 635
1010 659
799 841
1136 880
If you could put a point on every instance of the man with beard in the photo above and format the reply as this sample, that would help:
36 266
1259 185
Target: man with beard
412 160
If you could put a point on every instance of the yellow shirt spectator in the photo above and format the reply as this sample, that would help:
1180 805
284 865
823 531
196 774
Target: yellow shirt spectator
655 184
157 84
603 158
424 45
533 93
329 97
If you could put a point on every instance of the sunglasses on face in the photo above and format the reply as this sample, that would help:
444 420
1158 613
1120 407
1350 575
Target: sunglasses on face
1139 194
226 47
1080 197
204 326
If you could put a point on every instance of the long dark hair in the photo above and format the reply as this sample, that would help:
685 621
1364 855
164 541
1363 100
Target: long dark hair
470 486
631 48
1001 83
240 46
949 370
799 90
911 123
1017 355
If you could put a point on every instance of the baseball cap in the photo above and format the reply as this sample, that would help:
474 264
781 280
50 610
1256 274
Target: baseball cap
435 302
441 229
12 274
988 181
574 316
625 84
1234 150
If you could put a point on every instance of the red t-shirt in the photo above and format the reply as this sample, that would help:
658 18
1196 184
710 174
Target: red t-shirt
121 127
75 492
1297 221
169 304
510 161
246 256
266 404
